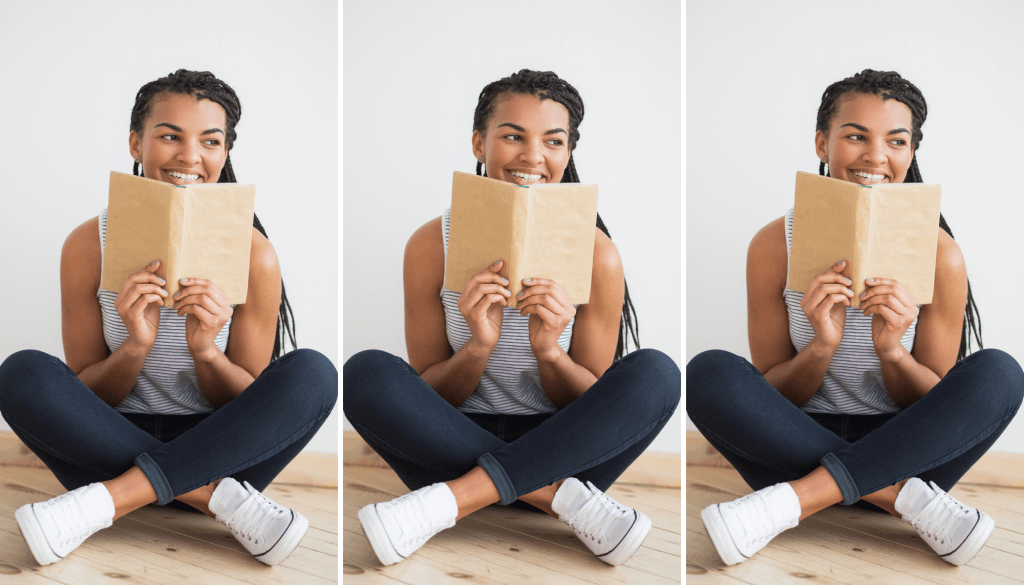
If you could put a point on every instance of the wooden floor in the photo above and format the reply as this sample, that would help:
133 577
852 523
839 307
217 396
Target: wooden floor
850 545
508 545
166 546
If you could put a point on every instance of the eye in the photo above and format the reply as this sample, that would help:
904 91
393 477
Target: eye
857 137
169 137
556 141
511 137
212 142
898 142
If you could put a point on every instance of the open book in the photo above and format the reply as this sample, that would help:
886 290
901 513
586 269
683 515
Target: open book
196 231
882 231
540 231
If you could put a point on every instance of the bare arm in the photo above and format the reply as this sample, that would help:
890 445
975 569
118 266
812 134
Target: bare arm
796 376
111 375
909 376
566 376
453 376
224 375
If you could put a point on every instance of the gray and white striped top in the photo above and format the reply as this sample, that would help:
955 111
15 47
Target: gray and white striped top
168 382
853 383
510 383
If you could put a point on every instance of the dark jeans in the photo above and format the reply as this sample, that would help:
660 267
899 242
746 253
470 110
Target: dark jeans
426 440
769 440
83 440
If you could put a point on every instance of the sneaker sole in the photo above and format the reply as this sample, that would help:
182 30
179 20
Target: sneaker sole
974 541
374 530
288 541
629 543
714 523
33 534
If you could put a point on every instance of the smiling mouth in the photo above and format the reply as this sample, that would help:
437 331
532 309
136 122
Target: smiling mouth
525 176
868 176
182 176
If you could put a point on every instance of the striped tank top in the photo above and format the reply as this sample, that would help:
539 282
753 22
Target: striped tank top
167 383
510 383
853 383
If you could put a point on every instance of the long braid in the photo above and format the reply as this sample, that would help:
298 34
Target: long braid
204 85
547 85
890 85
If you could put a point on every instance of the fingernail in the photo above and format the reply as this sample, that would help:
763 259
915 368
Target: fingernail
153 262
527 279
162 281
176 294
863 294
184 280
849 291
848 281
496 263
840 262
520 295
504 280
870 280
508 292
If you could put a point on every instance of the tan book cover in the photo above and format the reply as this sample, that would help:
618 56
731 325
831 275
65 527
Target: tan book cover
882 231
196 231
540 231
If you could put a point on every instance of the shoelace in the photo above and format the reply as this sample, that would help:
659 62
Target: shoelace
71 518
253 516
940 516
596 516
413 516
752 511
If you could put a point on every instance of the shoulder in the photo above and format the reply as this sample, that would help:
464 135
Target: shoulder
84 237
607 261
424 253
771 239
82 253
262 256
950 266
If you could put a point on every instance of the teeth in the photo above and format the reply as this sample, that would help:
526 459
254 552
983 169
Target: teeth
524 176
867 176
182 176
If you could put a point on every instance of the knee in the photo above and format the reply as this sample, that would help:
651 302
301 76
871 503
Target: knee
23 378
319 376
368 378
1004 379
709 378
660 381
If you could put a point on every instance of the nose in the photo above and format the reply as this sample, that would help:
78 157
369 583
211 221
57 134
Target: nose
532 152
875 153
189 152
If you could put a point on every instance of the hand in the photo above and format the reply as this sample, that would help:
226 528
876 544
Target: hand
207 312
550 311
139 304
892 309
481 305
825 304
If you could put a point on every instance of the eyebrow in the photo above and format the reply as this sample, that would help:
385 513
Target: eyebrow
863 129
176 129
521 129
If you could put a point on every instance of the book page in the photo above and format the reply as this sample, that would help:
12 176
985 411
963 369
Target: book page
138 229
903 236
825 221
217 236
480 229
561 220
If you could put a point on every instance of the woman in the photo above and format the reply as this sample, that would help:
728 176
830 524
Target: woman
499 404
879 404
192 403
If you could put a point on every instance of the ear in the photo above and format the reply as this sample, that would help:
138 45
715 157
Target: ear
821 145
478 145
134 144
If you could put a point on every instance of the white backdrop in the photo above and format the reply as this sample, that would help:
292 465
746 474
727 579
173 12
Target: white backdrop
412 75
70 73
754 81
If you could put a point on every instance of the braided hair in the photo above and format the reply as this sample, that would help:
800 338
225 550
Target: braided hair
546 85
890 85
204 85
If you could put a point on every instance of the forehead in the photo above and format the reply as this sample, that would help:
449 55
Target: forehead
186 111
529 111
872 112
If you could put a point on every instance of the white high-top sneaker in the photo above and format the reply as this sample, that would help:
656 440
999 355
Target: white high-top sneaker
56 527
953 529
398 528
268 531
744 526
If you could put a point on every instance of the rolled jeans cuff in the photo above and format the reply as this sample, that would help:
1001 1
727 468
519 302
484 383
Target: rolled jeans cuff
156 478
843 478
501 481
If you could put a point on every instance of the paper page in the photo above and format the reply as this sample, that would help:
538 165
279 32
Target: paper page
903 237
480 229
824 229
560 236
217 236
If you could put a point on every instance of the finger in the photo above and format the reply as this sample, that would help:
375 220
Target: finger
542 312
825 291
152 267
205 317
884 312
479 292
203 301
836 268
545 301
132 295
889 301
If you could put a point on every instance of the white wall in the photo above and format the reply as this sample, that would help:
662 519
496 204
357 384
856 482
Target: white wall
70 73
412 75
754 81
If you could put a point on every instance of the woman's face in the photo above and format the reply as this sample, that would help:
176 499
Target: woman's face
526 141
182 141
868 141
